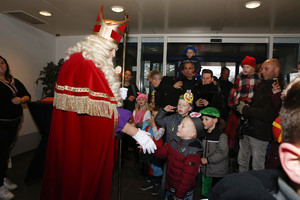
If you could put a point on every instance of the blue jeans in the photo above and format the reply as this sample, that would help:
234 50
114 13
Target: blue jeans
251 146
187 197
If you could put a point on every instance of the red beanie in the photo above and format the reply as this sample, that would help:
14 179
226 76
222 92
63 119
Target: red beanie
249 61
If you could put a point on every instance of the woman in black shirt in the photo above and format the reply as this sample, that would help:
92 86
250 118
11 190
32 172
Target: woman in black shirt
13 94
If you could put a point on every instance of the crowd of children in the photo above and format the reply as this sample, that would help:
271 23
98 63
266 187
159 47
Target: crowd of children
183 140
191 137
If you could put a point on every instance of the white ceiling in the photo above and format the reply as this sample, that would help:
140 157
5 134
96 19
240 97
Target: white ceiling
77 17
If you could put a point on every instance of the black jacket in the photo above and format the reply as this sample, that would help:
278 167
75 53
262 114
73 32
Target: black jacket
132 91
261 113
165 93
211 93
187 84
225 87
258 185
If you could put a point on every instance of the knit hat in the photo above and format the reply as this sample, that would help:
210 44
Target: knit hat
142 96
249 61
195 116
210 112
189 47
188 97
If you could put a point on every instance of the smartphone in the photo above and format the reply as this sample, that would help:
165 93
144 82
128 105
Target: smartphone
275 80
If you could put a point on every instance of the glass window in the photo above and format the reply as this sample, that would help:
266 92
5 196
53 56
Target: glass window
232 53
288 56
151 59
130 58
216 68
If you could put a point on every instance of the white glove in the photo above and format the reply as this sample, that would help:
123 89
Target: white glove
145 141
123 92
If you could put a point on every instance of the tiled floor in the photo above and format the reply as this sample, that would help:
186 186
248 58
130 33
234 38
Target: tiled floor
17 174
130 181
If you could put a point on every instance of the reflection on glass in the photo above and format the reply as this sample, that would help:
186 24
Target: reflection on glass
170 69
216 68
130 60
151 59
288 57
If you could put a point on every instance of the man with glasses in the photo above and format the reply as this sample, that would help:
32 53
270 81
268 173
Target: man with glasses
208 94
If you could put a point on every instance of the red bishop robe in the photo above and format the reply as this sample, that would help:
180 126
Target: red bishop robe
79 161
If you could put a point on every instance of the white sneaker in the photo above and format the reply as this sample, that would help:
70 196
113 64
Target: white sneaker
9 185
5 194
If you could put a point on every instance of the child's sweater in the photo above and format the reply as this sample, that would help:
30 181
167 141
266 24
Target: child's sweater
139 118
243 88
170 122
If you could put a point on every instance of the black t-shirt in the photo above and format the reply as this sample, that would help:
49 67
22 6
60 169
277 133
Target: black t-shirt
10 111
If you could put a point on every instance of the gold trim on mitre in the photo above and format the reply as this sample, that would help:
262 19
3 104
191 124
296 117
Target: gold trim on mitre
109 29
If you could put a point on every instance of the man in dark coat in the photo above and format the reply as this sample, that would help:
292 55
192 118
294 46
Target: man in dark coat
208 94
165 93
260 114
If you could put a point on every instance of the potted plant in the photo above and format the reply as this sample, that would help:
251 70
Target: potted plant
48 78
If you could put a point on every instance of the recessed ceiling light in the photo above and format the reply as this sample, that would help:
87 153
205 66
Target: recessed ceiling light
252 4
45 13
117 9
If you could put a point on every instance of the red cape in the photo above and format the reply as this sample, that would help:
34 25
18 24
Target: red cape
80 151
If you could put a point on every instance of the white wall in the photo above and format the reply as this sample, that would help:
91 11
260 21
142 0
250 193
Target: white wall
65 42
27 50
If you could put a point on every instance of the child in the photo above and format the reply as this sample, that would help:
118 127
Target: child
215 150
154 164
190 56
171 122
183 157
242 91
141 112
245 83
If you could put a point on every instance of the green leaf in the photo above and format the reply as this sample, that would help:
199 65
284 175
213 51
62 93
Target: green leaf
48 77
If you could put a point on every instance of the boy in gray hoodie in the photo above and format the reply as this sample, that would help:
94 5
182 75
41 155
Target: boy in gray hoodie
215 150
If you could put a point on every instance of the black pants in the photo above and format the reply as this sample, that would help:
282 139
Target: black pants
8 132
215 180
